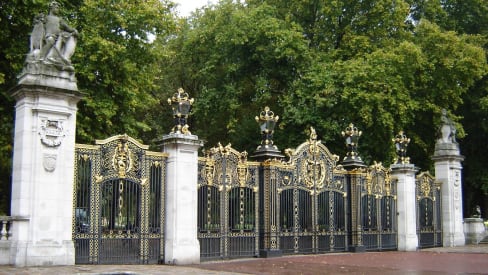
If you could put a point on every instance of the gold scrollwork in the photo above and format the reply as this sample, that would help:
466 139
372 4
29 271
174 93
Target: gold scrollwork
209 170
369 183
144 181
242 174
388 184
122 160
313 173
425 187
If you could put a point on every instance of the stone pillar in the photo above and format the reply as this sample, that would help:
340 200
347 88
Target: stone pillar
181 228
447 161
448 171
406 206
43 171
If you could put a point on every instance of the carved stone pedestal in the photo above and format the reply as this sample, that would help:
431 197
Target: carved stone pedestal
43 170
447 159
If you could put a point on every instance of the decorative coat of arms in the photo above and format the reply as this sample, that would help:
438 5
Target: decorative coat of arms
49 162
122 159
51 132
313 168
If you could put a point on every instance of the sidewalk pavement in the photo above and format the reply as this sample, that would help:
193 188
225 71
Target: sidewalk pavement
470 259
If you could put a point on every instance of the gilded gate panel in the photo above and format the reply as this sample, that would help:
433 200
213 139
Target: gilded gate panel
228 204
378 209
118 202
303 204
428 201
311 190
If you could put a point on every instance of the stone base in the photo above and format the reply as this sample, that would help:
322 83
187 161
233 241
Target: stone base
179 138
357 248
408 242
446 149
270 253
474 230
40 74
42 253
453 240
4 252
404 166
182 254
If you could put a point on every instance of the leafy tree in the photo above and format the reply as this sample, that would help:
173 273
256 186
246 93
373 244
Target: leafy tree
333 24
470 19
383 65
360 62
116 62
118 65
235 60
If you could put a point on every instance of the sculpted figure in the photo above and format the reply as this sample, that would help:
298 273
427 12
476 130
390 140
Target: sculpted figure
37 35
52 41
477 212
447 130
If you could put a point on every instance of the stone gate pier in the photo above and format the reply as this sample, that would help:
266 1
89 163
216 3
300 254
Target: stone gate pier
45 124
447 160
43 155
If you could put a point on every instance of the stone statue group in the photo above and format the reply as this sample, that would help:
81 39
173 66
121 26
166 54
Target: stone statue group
52 40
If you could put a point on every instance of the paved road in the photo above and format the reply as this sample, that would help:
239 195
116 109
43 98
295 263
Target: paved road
455 260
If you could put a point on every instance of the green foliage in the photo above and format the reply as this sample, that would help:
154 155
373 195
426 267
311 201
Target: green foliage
336 62
116 62
469 19
383 65
235 60
330 24
117 65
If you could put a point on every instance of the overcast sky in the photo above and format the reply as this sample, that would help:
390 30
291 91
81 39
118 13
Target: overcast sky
185 7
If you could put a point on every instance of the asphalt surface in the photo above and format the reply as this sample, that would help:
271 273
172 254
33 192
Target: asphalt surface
471 259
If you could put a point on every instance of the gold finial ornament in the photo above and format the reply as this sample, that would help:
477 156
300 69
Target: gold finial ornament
267 120
181 105
401 142
351 135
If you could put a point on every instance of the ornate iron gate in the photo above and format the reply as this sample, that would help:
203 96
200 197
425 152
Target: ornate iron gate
311 201
118 203
228 204
428 197
378 209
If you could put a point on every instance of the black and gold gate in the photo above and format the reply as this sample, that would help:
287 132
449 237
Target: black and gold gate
309 202
228 204
378 210
428 198
306 204
118 203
